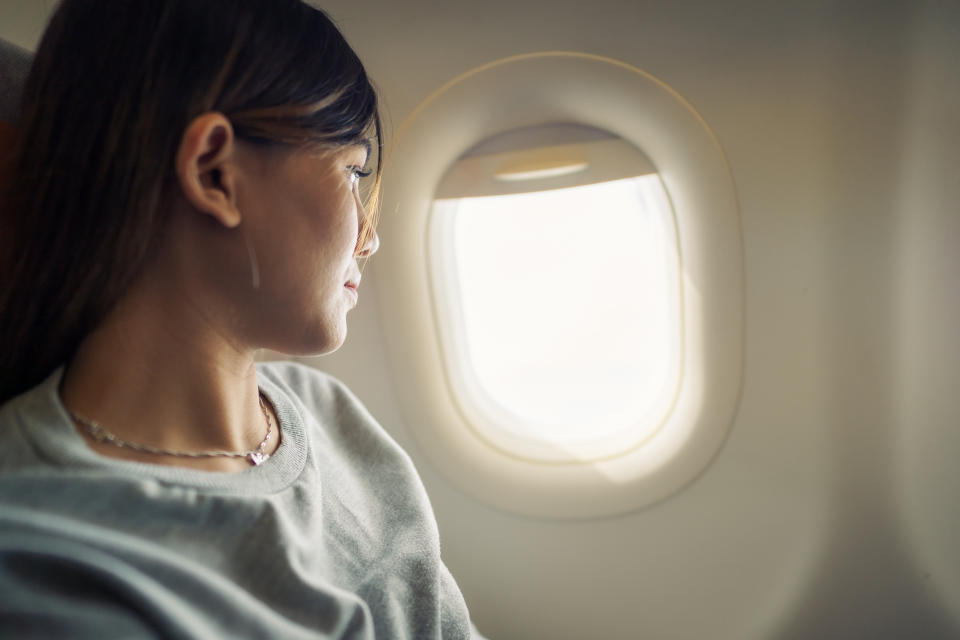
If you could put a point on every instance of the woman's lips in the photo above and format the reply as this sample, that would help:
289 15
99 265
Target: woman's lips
352 288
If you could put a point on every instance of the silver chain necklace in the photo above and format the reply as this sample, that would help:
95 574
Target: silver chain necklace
255 456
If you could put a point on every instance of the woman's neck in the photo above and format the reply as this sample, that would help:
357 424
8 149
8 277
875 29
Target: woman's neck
157 372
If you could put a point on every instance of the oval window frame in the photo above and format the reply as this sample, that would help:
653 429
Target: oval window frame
542 88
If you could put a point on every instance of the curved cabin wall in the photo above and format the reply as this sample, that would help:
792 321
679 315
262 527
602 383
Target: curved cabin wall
830 511
796 529
928 312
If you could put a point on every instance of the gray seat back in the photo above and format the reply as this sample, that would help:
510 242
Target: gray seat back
14 66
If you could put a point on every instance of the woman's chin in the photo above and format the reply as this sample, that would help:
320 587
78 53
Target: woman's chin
323 342
301 335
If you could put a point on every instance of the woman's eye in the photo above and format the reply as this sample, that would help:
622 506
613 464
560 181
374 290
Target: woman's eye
356 173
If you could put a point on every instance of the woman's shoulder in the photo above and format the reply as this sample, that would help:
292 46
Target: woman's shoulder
318 390
32 409
335 413
297 375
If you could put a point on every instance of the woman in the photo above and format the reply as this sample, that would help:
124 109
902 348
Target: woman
184 191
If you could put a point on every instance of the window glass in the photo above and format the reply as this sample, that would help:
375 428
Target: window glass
568 305
560 305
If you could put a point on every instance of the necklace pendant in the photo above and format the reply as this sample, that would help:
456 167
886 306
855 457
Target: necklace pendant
96 432
256 457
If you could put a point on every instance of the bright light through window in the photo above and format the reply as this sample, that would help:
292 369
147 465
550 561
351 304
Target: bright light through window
568 306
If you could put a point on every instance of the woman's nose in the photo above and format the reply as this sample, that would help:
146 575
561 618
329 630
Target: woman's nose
370 245
368 242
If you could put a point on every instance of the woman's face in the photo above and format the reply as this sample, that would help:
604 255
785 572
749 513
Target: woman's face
302 214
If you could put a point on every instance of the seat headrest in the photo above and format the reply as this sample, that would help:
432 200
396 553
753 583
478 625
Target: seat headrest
14 66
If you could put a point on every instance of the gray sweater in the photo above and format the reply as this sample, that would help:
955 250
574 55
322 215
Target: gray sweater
331 537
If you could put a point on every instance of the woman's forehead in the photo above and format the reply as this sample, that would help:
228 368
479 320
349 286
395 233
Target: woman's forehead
363 147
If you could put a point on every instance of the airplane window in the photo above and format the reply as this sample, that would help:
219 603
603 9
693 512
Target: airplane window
559 305
561 285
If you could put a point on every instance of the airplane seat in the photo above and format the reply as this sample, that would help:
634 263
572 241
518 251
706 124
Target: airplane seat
14 66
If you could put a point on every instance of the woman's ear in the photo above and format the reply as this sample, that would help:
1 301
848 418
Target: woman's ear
206 170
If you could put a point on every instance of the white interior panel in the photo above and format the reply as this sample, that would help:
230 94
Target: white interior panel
928 314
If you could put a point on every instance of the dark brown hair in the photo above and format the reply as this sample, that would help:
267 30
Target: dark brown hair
113 86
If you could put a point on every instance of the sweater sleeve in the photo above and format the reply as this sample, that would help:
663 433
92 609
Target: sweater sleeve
52 590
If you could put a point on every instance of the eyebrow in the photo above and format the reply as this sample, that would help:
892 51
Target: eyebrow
369 148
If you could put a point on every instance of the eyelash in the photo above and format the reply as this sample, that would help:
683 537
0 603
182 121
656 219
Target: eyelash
356 173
